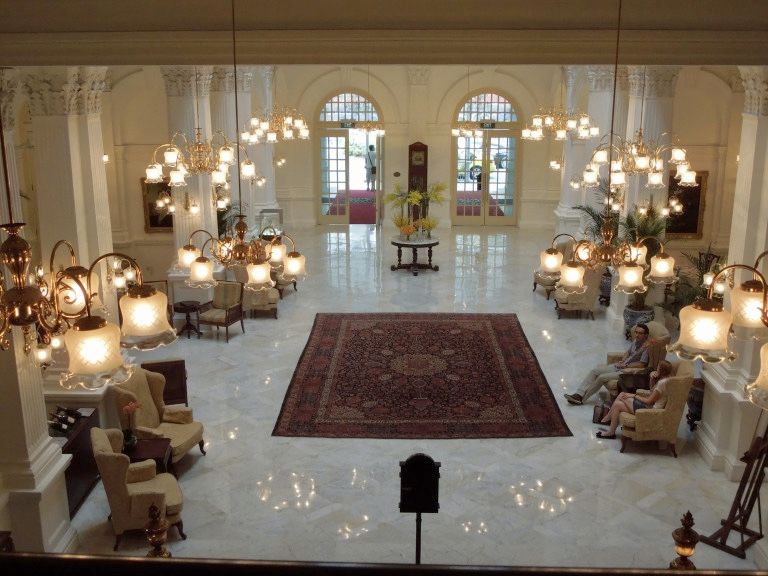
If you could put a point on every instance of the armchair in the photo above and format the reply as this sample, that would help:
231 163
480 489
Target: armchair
225 309
661 423
132 488
264 300
587 301
153 419
548 284
658 338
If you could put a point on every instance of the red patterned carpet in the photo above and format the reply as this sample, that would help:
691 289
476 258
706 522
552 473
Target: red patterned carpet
419 376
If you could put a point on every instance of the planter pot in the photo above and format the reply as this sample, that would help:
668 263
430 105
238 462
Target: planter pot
632 317
129 441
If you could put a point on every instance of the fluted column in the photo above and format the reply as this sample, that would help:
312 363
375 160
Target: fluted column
574 159
223 120
728 418
187 90
9 98
72 196
263 154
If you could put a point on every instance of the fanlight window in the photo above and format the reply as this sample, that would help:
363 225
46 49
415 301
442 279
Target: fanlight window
487 108
349 107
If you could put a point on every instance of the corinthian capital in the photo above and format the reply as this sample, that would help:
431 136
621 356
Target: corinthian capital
223 80
187 80
755 81
92 87
418 75
660 81
54 92
9 91
600 78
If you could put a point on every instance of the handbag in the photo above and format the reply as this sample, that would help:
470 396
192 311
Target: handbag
373 170
599 413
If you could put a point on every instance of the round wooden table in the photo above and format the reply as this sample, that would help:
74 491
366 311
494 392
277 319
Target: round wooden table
187 307
414 245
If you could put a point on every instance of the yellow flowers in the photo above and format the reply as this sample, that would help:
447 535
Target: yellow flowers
407 230
414 208
429 223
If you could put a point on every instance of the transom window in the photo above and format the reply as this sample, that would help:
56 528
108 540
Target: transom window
349 107
487 107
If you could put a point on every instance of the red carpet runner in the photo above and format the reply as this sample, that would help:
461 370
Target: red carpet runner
419 376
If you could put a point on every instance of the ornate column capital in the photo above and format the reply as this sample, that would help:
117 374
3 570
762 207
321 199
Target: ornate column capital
187 80
54 93
660 81
419 75
92 87
571 75
755 81
223 80
9 91
267 74
600 78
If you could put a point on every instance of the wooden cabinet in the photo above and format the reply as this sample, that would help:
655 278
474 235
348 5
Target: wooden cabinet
82 474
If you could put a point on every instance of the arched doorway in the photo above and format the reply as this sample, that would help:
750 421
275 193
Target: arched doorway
485 165
350 190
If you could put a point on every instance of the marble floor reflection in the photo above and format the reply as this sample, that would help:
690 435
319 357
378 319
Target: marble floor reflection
545 501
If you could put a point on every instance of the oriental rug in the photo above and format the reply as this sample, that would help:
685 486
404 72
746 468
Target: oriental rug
419 376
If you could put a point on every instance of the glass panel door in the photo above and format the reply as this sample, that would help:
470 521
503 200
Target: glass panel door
467 197
334 175
499 201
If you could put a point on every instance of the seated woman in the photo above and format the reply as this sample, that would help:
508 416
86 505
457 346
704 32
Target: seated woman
626 402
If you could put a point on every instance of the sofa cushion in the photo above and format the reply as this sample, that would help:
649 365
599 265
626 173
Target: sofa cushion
214 315
183 437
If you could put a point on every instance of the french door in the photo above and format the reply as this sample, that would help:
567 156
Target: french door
334 176
485 183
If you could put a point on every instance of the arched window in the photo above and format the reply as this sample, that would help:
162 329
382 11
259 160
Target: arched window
349 107
485 161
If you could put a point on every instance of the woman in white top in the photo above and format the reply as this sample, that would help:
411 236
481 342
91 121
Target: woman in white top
626 402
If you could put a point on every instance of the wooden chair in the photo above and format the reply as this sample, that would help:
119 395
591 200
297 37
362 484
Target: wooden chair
226 308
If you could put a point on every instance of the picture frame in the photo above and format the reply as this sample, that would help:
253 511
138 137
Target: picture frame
155 222
689 224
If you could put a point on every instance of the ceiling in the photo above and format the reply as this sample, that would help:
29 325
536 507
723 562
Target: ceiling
78 32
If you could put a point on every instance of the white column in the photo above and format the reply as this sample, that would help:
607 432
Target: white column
418 99
728 418
223 120
263 154
187 92
72 197
31 463
9 92
574 160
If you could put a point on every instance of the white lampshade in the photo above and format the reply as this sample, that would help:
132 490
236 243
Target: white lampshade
583 120
201 273
287 134
177 178
455 132
551 260
548 120
154 174
594 131
682 168
657 164
57 342
194 208
637 254
707 278
655 180
571 124
703 332
757 391
537 121
271 136
72 298
583 132
247 169
537 133
572 278
688 178
560 134
218 177
130 274
747 304
554 164
662 269
187 255
294 266
589 176
145 319
678 155
304 133
93 346
171 156
277 254
583 252
642 162
665 211
227 155
259 277
616 165
600 156
630 279
43 353
618 178
120 282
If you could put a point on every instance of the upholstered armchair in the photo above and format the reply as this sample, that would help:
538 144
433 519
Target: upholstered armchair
586 302
225 309
548 284
660 423
132 488
153 419
658 338
256 301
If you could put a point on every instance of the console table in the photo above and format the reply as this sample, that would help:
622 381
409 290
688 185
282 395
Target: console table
414 245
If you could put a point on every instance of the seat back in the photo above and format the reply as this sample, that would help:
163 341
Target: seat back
592 282
227 294
658 338
677 394
240 273
136 389
113 467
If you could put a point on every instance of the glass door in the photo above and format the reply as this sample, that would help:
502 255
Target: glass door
334 176
485 183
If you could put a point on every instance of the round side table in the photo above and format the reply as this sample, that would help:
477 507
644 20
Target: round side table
187 307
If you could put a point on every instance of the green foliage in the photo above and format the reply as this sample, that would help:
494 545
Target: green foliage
225 220
691 282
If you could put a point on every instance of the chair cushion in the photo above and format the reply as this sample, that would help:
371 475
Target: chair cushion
183 437
213 315
162 483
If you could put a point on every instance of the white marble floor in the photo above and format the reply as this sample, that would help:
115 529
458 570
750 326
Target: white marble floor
548 501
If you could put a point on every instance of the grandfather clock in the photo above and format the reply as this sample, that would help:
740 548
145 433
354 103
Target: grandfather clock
417 166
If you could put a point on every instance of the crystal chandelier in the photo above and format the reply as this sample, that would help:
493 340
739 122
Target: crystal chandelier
281 124
560 124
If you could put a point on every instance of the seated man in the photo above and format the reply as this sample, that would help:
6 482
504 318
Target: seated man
635 357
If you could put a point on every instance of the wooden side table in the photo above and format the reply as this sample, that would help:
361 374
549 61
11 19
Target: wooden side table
414 245
157 449
187 307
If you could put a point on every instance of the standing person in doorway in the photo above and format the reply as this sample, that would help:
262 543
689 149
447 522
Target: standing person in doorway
370 168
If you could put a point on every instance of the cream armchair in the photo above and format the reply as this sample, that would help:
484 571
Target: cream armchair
256 301
132 488
548 284
658 338
153 418
586 301
660 423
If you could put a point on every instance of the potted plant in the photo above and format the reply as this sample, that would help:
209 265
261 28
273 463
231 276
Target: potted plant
691 285
414 218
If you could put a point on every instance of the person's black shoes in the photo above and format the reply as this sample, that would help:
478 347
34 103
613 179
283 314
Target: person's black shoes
574 399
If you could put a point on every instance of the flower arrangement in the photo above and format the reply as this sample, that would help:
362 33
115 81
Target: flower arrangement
414 208
129 410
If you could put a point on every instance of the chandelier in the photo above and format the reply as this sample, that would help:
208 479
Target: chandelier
281 124
234 249
560 124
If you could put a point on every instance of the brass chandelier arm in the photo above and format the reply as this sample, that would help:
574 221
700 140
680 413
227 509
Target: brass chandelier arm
199 230
553 239
72 257
88 295
760 257
757 276
640 241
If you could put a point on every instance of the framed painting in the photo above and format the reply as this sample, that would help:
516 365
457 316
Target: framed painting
689 224
155 221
